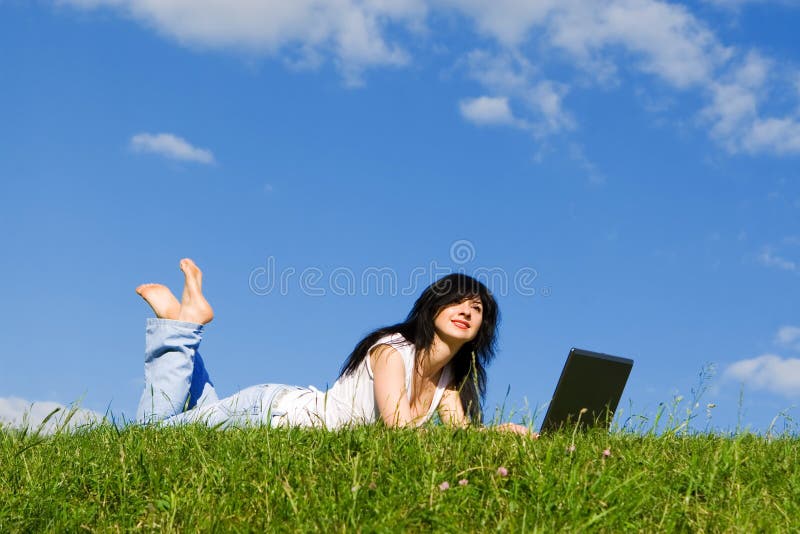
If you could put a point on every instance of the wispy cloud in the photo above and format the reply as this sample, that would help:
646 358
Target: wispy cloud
170 146
788 336
578 154
734 111
301 31
603 42
16 412
509 75
662 40
770 259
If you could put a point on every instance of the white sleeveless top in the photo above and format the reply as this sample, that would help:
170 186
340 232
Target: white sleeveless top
351 400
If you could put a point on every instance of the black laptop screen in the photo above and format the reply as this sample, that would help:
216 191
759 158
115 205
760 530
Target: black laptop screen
588 391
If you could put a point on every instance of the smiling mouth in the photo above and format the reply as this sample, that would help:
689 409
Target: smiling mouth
461 324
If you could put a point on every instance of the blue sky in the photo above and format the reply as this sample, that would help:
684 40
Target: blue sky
632 163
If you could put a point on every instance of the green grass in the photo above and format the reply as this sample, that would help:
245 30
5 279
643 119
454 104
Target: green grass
375 479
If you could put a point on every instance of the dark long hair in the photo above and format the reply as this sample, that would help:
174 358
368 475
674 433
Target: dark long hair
469 363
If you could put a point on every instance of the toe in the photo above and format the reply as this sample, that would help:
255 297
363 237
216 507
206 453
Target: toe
142 288
189 267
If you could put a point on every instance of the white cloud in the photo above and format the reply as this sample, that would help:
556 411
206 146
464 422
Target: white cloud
771 372
487 110
665 39
789 336
508 21
608 39
546 100
351 31
512 74
19 413
171 146
661 39
506 72
780 136
768 372
734 115
769 259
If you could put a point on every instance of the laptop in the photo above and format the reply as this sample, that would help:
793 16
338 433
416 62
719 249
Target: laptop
588 391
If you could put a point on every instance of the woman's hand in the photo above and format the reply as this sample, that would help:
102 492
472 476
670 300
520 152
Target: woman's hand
514 428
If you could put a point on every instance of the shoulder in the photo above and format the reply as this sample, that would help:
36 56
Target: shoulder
393 352
382 351
395 340
392 344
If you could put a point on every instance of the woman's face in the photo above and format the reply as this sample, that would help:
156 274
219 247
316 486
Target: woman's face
459 321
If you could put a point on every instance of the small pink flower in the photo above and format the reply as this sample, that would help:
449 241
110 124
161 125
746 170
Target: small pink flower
606 453
444 486
463 482
502 471
571 448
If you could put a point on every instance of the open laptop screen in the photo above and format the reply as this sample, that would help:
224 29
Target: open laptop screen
590 381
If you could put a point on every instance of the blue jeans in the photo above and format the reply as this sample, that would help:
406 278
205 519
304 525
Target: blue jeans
177 388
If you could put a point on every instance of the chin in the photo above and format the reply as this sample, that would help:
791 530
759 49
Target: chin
453 333
462 335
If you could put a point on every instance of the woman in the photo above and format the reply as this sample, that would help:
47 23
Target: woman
401 374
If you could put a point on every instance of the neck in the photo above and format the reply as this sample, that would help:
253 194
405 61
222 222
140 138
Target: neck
438 355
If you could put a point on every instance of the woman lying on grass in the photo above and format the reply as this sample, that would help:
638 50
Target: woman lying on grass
402 374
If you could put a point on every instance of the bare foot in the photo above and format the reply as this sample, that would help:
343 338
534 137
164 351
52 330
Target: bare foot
194 306
161 299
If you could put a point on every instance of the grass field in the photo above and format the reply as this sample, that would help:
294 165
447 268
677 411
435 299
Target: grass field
374 479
